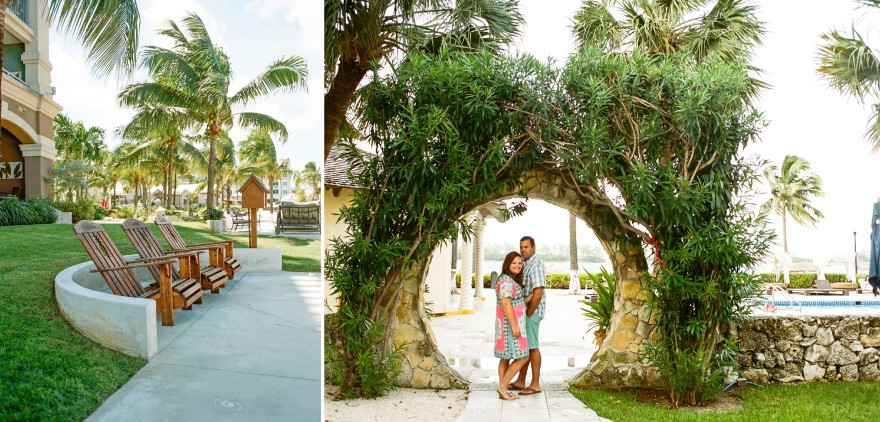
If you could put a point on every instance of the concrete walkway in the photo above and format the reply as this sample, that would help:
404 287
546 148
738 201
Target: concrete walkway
250 353
467 341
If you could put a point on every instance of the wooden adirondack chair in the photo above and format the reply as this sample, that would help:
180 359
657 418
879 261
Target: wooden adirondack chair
145 243
169 293
230 264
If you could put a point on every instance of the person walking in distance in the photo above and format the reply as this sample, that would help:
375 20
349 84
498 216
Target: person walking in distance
535 279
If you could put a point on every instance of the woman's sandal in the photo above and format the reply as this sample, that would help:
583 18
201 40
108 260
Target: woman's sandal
505 395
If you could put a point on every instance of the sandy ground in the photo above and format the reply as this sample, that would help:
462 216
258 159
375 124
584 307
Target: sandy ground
404 404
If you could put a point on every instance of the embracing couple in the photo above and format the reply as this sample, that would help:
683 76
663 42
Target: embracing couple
519 308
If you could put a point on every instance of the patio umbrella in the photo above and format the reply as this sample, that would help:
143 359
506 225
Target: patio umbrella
874 258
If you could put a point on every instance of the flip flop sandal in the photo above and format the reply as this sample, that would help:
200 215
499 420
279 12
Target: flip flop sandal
512 387
529 391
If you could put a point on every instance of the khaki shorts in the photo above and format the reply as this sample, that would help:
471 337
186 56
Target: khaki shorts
532 324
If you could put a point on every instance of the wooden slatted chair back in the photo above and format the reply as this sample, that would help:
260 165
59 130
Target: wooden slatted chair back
104 254
146 245
170 233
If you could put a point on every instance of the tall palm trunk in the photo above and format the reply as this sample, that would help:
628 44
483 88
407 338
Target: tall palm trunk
213 134
784 233
272 194
336 101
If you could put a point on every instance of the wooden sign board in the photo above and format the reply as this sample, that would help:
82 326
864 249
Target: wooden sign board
253 196
253 193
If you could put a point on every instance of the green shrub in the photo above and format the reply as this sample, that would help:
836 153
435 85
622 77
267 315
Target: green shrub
801 280
125 211
487 280
600 311
212 214
81 209
33 211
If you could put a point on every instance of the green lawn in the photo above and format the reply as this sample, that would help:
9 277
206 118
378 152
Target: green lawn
48 371
839 401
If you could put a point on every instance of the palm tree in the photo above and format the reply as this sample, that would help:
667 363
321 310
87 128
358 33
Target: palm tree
74 142
852 67
191 80
792 187
360 34
108 30
259 157
728 29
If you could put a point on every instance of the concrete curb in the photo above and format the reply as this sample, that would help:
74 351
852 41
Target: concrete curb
122 323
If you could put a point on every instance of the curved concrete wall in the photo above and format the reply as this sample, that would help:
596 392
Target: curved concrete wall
129 324
120 323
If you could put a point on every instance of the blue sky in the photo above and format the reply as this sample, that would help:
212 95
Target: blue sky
253 32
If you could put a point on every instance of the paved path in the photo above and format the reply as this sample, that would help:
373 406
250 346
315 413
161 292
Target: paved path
250 353
467 341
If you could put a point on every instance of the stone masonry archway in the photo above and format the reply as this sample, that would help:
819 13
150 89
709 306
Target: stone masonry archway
617 362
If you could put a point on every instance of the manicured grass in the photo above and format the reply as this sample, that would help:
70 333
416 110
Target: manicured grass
839 401
48 371
296 254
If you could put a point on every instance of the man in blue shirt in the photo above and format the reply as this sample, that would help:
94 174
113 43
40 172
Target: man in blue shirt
535 280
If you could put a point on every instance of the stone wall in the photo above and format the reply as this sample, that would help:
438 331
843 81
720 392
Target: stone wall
810 349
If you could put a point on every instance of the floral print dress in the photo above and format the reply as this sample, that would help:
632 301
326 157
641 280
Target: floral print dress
506 345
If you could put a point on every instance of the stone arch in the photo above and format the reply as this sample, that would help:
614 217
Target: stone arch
615 364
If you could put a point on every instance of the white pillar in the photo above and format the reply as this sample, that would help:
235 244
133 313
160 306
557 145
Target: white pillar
465 292
479 226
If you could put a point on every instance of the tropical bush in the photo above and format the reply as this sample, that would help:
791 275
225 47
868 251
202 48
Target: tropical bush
212 214
599 312
125 211
81 208
32 211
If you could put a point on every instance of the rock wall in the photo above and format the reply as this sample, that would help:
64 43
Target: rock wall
810 349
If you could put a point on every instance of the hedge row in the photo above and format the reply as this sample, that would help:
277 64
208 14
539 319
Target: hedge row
806 280
31 211
554 280
798 280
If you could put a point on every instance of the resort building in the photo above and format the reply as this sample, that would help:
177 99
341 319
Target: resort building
27 148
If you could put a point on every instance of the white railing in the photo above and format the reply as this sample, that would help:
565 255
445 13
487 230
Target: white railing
785 295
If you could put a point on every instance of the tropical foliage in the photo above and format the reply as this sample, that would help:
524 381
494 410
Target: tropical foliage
258 157
361 35
852 66
455 131
792 187
599 312
190 88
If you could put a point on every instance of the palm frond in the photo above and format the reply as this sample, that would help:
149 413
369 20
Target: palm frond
108 29
263 123
849 64
287 74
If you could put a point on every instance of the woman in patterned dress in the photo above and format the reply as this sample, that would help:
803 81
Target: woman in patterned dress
511 345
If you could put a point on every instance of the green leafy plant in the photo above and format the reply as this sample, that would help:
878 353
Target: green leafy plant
81 209
599 312
32 211
212 214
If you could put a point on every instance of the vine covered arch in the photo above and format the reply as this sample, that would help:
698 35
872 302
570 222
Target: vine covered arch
644 149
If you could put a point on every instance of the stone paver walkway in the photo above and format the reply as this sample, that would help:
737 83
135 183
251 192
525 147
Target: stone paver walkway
250 353
467 341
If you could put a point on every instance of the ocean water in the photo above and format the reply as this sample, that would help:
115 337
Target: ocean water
552 266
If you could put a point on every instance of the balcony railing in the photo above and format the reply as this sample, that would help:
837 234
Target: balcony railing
20 9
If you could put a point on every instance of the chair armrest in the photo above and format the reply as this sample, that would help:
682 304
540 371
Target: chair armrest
126 267
160 258
194 248
219 242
